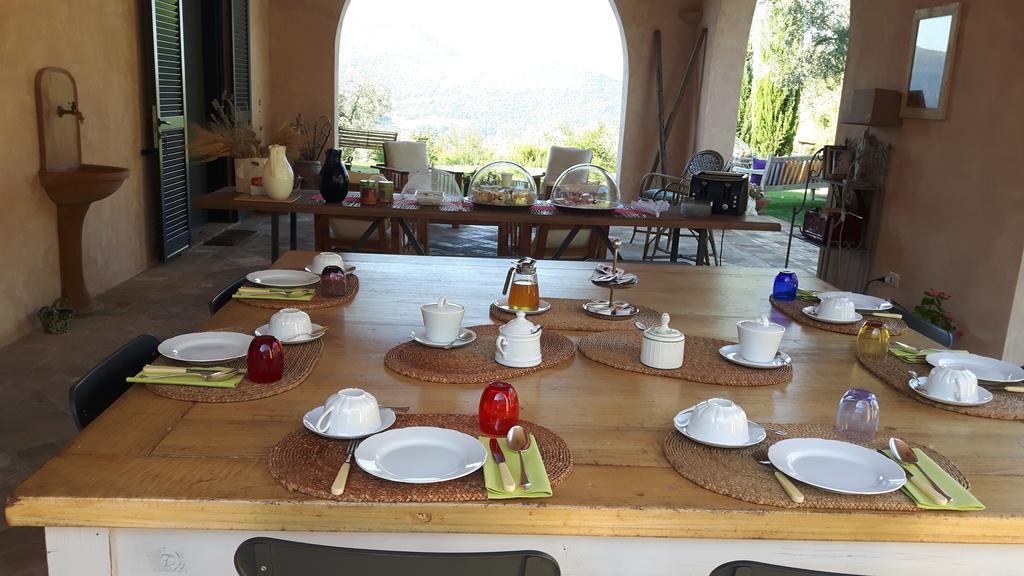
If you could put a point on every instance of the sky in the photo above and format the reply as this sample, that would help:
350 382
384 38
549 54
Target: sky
513 33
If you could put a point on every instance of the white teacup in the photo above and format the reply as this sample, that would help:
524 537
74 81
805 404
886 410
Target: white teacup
953 382
288 323
759 339
349 412
837 308
443 320
325 259
720 421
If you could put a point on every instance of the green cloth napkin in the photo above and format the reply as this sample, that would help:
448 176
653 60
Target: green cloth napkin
918 357
304 296
808 295
959 497
540 488
187 380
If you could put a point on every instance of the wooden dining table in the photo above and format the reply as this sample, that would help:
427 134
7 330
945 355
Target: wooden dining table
413 222
157 486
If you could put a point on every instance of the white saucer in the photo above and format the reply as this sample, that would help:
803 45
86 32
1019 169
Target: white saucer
502 304
419 336
732 354
920 385
756 432
387 419
318 329
348 269
809 311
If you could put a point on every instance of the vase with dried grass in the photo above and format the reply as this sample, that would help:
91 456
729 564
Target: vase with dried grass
228 135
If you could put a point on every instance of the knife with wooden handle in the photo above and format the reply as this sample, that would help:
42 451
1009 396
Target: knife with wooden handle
924 485
794 493
338 488
154 369
507 482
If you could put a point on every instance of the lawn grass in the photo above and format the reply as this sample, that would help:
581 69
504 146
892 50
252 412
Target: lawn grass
783 202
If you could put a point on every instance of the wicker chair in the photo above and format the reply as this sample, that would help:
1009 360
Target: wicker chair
658 186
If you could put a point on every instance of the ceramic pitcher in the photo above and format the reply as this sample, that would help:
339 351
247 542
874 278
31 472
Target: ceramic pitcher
278 176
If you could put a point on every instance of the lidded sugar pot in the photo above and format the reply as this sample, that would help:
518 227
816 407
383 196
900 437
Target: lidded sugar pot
662 346
518 343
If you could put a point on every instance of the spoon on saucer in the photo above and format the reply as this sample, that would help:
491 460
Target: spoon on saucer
310 335
640 325
462 336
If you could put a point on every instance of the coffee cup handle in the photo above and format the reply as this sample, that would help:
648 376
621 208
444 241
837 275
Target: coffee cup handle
500 343
320 422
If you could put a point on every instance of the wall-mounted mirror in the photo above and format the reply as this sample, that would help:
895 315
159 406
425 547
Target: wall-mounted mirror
932 48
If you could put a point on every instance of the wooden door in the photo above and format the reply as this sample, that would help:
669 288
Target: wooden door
169 126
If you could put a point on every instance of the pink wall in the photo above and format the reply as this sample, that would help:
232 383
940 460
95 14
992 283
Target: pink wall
303 67
953 205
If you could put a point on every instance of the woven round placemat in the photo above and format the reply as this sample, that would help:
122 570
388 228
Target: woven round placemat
794 310
737 474
307 463
568 314
299 360
317 303
473 363
701 360
895 373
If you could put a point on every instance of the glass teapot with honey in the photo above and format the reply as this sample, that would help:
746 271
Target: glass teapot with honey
521 285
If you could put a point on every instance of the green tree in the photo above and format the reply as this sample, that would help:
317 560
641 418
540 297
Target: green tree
601 140
460 146
743 125
365 106
774 119
530 155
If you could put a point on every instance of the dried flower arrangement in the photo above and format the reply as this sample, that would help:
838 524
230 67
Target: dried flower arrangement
229 136
314 137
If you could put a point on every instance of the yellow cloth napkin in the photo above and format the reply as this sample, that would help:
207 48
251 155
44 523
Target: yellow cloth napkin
260 294
918 357
959 497
187 380
541 486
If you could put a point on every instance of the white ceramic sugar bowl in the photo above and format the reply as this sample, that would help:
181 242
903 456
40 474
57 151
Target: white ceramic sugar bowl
662 346
518 343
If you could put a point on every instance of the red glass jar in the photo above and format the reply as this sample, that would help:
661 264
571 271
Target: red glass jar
265 360
499 409
333 282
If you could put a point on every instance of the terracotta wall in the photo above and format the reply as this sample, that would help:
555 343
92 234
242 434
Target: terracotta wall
953 204
98 42
728 23
303 69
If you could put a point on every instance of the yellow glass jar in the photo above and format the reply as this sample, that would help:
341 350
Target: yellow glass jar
873 340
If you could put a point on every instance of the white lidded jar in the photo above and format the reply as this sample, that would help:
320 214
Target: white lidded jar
662 346
518 343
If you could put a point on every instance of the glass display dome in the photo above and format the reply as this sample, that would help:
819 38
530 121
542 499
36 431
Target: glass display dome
585 187
431 187
503 183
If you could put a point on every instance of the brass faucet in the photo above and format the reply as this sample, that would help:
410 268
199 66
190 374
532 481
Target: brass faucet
71 109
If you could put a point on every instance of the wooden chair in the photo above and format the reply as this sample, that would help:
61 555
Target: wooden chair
273 557
402 158
224 296
926 328
749 568
105 383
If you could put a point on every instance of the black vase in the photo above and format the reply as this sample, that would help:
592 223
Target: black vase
333 178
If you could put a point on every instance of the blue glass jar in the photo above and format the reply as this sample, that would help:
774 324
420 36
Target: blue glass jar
785 286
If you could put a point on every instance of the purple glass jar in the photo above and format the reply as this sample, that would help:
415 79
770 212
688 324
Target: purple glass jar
333 282
857 416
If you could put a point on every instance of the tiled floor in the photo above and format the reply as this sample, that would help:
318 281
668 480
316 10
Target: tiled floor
36 371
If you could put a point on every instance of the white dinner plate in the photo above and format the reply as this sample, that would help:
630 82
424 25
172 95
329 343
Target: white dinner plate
387 419
282 278
348 269
836 466
754 430
983 367
420 455
920 386
419 335
315 335
206 347
809 311
860 301
502 304
732 354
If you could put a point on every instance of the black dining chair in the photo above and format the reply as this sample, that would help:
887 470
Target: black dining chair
926 328
224 296
273 557
749 568
105 383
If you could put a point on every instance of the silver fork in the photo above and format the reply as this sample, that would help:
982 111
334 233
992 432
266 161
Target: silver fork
338 488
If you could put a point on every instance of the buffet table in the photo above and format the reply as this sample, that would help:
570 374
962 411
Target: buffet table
303 202
157 485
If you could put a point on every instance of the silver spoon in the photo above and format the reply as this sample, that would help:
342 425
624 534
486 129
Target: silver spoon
905 454
519 441
640 325
310 335
772 430
211 377
462 336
